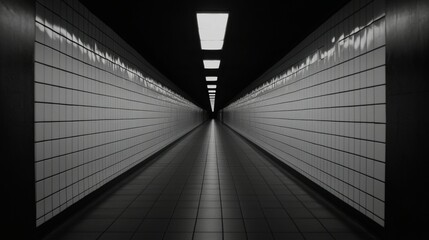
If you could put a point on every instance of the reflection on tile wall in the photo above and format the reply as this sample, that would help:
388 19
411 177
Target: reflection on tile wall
97 113
325 115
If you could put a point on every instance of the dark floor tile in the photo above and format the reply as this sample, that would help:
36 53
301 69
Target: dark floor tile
133 192
282 225
335 225
271 204
142 204
288 236
191 194
154 225
185 213
298 191
318 236
114 204
210 197
181 225
210 204
233 225
208 225
299 213
252 213
234 236
134 213
275 213
229 197
231 213
124 225
266 196
352 236
207 236
313 204
230 204
147 197
148 236
227 192
152 191
187 204
322 213
78 236
103 213
259 236
309 225
115 197
164 204
209 213
92 225
169 197
286 197
280 189
135 184
250 204
178 236
116 236
256 225
160 212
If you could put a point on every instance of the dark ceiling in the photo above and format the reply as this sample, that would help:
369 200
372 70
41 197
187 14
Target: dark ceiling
259 33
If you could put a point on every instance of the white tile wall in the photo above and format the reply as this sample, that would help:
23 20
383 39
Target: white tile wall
325 115
97 112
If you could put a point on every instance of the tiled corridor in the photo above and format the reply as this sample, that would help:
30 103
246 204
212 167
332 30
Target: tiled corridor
210 185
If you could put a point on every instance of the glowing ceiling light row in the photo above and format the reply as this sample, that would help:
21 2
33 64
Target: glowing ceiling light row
211 29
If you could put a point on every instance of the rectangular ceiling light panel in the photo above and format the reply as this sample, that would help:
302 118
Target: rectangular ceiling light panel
211 78
212 28
211 64
212 91
211 45
211 86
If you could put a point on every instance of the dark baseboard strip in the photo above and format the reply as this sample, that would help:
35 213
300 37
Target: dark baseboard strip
329 199
58 223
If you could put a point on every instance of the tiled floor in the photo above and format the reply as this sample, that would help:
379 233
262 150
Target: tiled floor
210 185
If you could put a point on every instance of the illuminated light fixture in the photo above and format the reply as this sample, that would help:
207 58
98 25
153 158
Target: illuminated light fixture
211 64
211 78
212 28
211 45
212 91
212 94
211 86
